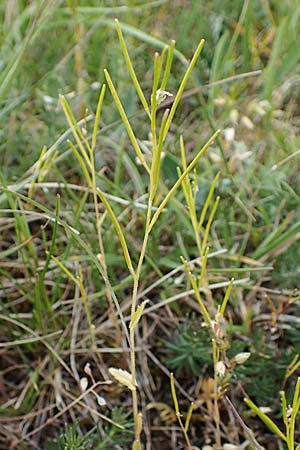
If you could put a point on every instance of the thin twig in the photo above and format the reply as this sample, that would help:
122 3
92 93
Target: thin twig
247 430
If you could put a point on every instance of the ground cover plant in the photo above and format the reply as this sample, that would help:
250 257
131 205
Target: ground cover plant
149 224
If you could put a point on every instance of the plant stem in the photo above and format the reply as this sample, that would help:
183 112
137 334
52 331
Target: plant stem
136 280
112 312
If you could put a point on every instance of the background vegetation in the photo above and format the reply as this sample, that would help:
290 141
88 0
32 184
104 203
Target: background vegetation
58 323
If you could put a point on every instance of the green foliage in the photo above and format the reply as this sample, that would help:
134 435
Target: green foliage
93 439
189 352
113 435
71 440
63 289
267 362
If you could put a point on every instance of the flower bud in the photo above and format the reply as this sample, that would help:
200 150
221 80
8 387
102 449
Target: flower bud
161 95
83 384
220 369
240 358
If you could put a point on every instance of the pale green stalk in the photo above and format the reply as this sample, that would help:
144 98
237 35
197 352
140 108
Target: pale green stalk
216 356
118 230
204 311
226 298
209 222
186 185
136 278
168 65
182 86
81 163
97 117
76 131
294 413
181 178
269 422
64 269
203 268
183 427
208 201
96 207
131 69
156 161
125 121
292 367
156 152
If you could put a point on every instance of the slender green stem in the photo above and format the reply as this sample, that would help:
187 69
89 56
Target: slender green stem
216 355
136 280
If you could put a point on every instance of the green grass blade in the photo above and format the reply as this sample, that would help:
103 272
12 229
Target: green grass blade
104 10
290 234
86 248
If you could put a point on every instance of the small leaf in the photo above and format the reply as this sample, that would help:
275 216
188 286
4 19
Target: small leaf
123 377
136 316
